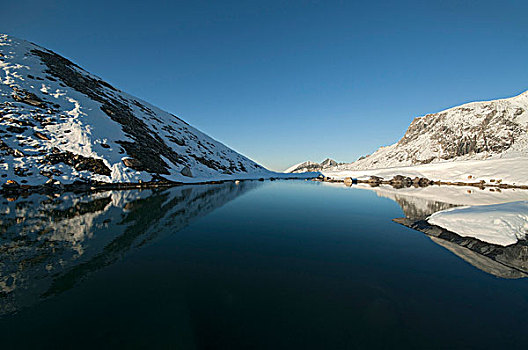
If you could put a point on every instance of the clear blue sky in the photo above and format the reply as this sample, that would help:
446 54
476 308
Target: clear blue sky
287 81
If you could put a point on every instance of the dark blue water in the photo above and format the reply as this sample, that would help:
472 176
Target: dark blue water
285 264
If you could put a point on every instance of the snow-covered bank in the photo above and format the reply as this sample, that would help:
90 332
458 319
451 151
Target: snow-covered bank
501 224
512 171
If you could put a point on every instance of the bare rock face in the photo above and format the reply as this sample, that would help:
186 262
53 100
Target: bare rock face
27 97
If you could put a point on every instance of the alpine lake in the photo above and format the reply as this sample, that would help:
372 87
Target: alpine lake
254 265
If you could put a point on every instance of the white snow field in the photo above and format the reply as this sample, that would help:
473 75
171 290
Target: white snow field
501 224
513 171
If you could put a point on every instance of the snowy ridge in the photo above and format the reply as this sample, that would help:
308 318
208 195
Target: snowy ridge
310 166
473 131
60 122
303 165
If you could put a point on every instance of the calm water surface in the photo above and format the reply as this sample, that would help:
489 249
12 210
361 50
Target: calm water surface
284 264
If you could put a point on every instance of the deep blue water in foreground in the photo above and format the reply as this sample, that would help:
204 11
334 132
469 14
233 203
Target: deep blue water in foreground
285 264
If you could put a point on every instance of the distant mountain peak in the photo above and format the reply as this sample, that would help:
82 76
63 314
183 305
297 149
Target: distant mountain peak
310 166
328 163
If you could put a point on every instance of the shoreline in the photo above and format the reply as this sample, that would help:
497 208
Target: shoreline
400 181
13 189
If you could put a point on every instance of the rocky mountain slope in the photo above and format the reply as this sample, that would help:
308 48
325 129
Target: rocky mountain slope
473 131
310 166
61 123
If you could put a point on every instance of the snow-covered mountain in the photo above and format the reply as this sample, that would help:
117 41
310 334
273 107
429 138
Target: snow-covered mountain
473 131
310 166
477 130
59 121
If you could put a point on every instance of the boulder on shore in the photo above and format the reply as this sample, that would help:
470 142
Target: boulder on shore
186 171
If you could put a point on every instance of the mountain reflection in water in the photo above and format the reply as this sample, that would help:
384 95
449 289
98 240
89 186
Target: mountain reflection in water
48 244
505 262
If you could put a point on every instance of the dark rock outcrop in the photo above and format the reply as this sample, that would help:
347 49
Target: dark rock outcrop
78 162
